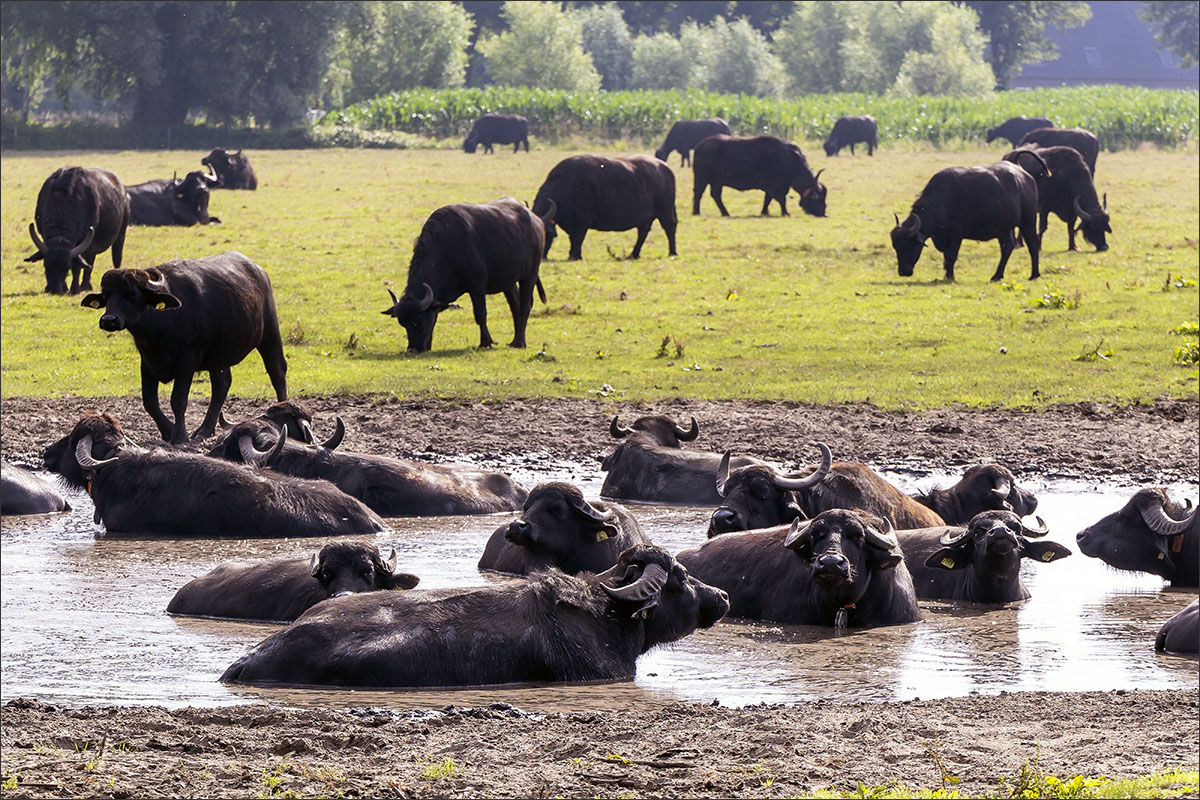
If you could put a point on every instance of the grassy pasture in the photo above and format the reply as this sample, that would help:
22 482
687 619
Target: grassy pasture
790 308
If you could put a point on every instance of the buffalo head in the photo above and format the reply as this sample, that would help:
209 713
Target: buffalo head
59 257
129 296
663 431
908 241
843 548
232 169
1144 536
759 497
557 524
417 315
812 195
193 192
1094 224
993 543
96 441
351 567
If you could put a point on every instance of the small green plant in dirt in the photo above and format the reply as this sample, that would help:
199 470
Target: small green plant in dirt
272 781
665 347
1187 354
1177 282
542 355
1186 329
443 769
1056 299
9 781
1095 353
934 749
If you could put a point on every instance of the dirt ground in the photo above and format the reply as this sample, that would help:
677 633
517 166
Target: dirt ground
676 751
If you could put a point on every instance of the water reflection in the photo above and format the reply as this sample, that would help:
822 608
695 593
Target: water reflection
83 621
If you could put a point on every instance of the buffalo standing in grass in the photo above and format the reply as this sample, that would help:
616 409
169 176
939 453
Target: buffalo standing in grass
1151 533
475 249
686 134
980 563
232 168
607 194
165 492
558 528
498 129
849 131
172 202
22 492
1082 141
842 568
1068 191
552 627
649 465
1015 129
281 589
191 316
1181 633
756 162
978 203
81 212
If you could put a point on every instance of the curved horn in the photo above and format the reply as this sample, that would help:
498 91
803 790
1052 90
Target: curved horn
427 300
916 223
395 300
1079 212
793 484
723 473
85 244
1041 530
339 433
1158 521
953 536
689 434
83 454
884 540
41 246
590 511
618 430
647 587
548 217
1105 205
1001 490
897 217
260 458
211 178
798 535
314 565
817 177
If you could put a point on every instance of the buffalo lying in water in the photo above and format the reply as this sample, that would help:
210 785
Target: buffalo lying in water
281 589
1151 533
552 627
1181 633
22 492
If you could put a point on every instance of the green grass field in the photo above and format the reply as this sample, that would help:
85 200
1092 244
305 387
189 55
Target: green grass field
790 308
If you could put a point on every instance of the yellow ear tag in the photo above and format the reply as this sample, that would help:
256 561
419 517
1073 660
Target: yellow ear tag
1161 556
601 536
948 562
1048 555
160 306
643 613
94 303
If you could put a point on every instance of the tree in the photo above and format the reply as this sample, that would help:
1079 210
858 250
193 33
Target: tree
543 47
738 59
607 40
952 64
1178 27
659 62
809 43
1016 31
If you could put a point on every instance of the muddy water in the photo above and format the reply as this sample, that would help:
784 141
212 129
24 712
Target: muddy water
83 622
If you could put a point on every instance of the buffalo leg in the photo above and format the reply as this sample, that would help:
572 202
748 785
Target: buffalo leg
520 302
766 209
576 238
1034 245
697 193
179 402
271 350
669 222
1006 248
852 148
1071 232
685 159
950 255
715 191
118 249
150 403
643 232
221 380
479 304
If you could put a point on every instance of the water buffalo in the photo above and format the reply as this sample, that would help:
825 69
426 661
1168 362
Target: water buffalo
1181 633
984 487
842 568
649 465
980 563
608 194
499 129
978 203
392 487
553 627
476 249
172 202
1016 128
1068 191
165 492
761 497
1152 533
686 134
187 316
849 131
281 589
558 528
22 492
756 162
81 212
232 168
1084 142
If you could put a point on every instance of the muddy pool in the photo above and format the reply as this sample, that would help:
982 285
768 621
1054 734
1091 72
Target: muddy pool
84 620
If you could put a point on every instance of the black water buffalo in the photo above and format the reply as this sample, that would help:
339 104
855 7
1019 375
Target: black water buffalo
1181 633
842 568
392 487
1082 141
558 528
553 627
979 563
498 129
608 194
81 212
1016 128
849 131
983 487
281 589
232 168
978 203
187 316
476 249
165 492
1068 191
1152 533
172 202
762 497
649 465
22 492
756 162
686 134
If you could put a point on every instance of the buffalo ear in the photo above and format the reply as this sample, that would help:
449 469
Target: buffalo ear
161 301
950 558
885 559
94 300
404 580
314 565
792 509
389 565
1044 551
